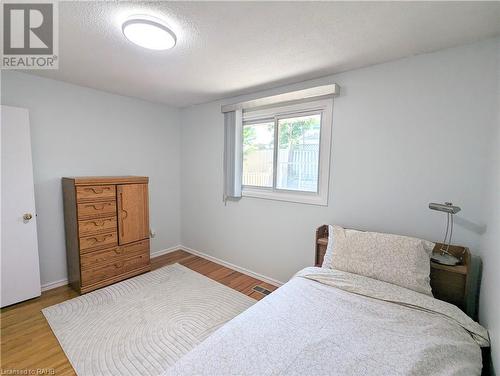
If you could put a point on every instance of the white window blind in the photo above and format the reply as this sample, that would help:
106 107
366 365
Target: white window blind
233 124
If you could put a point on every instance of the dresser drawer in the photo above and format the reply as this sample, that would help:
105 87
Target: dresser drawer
97 258
95 193
114 269
135 248
96 209
95 275
98 241
96 226
136 262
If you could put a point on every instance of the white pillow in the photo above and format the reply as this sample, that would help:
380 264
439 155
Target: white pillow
401 260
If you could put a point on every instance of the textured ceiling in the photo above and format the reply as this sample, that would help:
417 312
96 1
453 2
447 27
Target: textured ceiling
232 48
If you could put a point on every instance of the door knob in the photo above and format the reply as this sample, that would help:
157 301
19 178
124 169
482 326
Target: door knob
27 216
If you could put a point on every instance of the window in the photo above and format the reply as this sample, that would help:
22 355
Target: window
286 152
298 153
258 154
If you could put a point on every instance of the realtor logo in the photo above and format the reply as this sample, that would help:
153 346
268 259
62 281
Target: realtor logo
29 35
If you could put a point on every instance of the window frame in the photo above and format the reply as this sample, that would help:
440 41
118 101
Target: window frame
324 107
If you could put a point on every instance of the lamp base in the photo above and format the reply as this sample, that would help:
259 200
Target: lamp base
445 259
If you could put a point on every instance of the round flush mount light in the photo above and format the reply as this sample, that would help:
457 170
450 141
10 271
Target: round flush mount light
148 32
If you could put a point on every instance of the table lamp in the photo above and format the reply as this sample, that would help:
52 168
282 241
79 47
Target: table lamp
443 256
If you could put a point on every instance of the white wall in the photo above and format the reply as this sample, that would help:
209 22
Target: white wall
490 242
405 133
79 131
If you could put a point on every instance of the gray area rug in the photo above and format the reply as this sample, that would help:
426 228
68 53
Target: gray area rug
143 325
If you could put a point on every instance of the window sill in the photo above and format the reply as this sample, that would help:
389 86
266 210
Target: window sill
289 196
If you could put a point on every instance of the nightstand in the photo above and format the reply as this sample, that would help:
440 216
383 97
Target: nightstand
449 283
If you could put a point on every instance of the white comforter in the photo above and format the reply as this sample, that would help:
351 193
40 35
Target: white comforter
327 322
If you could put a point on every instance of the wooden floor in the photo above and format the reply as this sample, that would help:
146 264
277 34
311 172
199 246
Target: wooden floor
27 342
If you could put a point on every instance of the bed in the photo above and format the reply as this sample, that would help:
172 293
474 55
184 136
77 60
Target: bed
332 322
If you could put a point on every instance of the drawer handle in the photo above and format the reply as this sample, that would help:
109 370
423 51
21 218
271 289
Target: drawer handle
118 265
97 206
100 239
100 223
97 191
118 251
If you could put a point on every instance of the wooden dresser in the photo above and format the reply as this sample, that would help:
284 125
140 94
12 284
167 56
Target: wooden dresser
107 229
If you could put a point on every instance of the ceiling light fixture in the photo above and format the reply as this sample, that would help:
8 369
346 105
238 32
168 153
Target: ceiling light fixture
148 32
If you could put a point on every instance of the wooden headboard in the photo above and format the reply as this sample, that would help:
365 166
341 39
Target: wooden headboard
458 285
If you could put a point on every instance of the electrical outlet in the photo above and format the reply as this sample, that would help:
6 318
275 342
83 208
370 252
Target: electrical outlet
152 233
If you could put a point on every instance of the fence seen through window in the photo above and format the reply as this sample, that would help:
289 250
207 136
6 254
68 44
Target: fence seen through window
297 153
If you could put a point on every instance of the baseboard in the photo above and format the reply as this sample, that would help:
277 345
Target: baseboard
240 269
165 251
53 285
271 281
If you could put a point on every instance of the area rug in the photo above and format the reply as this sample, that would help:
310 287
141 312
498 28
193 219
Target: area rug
143 325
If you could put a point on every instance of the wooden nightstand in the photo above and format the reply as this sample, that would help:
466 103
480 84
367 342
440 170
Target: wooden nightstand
450 283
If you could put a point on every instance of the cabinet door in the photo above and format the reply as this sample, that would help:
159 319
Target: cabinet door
133 213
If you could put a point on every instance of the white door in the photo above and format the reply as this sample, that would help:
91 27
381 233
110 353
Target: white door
20 271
